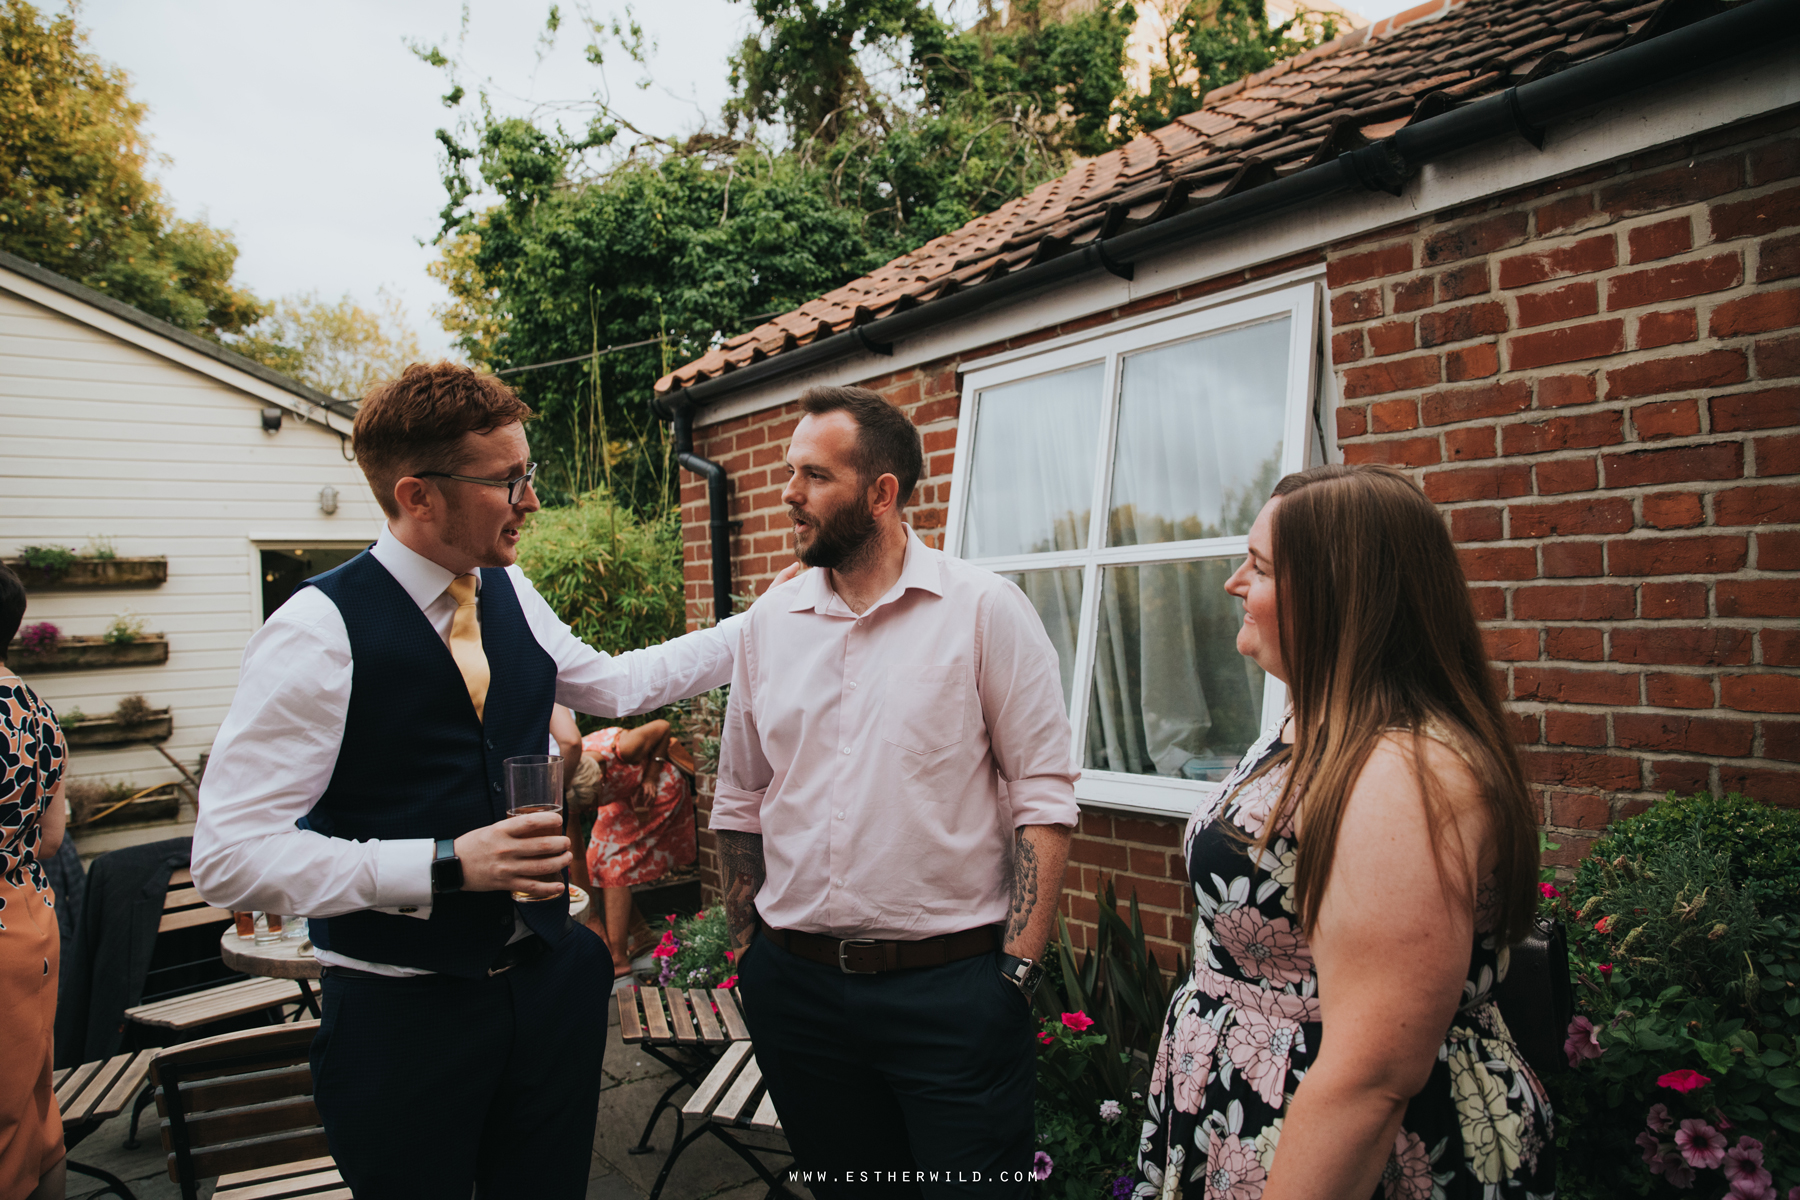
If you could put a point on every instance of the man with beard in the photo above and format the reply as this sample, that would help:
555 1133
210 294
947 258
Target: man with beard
894 806
358 780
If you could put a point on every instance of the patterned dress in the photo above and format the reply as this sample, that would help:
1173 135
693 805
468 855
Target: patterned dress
31 763
1242 1032
626 851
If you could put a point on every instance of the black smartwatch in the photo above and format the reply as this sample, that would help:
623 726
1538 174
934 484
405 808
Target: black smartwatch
1022 973
446 868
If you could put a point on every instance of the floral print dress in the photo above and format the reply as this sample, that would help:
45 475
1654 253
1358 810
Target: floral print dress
1243 1030
625 849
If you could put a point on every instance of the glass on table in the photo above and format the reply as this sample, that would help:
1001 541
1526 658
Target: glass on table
268 928
246 924
533 785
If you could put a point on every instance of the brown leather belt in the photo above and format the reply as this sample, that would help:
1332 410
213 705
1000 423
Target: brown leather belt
871 956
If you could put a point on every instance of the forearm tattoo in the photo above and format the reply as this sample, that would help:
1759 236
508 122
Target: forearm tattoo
741 862
1025 886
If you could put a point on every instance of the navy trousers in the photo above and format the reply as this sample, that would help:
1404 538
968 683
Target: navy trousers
433 1086
908 1083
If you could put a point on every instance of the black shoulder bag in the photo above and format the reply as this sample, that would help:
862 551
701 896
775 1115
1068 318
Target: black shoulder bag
1536 998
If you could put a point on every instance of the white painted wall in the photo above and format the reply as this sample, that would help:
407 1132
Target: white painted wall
100 435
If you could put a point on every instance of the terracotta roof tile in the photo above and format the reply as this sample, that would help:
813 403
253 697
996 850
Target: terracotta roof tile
1359 88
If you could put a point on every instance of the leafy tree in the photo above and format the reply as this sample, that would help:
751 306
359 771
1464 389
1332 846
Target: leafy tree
74 196
1209 43
335 346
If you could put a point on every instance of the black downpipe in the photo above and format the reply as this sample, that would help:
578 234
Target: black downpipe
718 508
1523 111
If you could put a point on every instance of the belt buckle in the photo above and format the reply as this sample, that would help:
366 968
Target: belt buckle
844 948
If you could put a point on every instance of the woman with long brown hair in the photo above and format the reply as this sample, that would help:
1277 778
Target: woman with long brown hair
1358 880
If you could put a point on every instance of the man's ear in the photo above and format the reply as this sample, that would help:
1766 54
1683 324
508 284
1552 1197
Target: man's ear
887 491
418 500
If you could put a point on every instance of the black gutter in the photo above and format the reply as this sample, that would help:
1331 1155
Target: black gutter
718 508
192 341
1524 110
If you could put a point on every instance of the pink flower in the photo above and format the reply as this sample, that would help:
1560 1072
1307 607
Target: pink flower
1658 1118
1700 1144
1683 1080
1259 1047
1678 1173
731 956
1604 925
1606 970
1041 1166
1759 1186
1745 1158
668 946
1190 1060
1407 1175
1232 1170
1078 1021
1046 1038
1264 949
730 983
1583 1041
1652 1150
1548 891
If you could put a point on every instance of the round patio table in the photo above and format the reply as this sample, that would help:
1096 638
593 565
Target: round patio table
293 959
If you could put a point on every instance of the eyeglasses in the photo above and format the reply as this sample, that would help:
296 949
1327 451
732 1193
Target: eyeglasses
515 487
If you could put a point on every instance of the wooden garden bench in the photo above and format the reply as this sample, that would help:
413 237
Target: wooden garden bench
240 1106
216 1004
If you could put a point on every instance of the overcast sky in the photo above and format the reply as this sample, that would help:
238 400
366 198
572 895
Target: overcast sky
307 129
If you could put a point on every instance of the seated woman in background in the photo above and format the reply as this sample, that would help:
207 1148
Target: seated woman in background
1359 879
644 826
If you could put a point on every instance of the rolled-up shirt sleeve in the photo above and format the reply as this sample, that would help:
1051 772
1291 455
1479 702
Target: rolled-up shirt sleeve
1022 701
744 771
272 760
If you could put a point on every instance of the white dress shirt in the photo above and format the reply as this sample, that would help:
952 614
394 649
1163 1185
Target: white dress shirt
278 746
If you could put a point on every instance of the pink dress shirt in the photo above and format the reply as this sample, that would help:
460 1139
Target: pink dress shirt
886 759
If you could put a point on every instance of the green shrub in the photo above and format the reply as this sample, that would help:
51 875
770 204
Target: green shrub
125 629
1686 955
1764 844
50 563
613 577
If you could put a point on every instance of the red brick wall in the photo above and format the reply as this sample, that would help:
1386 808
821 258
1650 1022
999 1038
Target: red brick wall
1598 379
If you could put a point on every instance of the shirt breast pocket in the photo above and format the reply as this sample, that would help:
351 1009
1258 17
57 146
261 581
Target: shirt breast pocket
926 709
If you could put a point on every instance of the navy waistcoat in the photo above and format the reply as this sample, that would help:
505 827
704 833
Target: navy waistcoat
416 762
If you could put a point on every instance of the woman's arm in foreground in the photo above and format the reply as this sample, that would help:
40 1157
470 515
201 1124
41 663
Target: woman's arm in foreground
1392 950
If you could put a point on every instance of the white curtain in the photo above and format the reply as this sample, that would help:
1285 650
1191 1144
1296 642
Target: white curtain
1057 597
1031 476
1199 448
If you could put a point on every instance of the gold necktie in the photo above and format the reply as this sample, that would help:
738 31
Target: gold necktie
465 642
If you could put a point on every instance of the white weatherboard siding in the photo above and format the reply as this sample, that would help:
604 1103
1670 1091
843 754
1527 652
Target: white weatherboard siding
100 437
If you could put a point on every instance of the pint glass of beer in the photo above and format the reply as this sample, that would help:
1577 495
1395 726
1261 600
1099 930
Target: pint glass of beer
533 785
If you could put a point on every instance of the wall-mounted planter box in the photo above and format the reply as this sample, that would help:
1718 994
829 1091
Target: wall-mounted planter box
85 574
104 731
90 654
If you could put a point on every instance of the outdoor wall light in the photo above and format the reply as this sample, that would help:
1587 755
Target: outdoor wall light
328 500
271 420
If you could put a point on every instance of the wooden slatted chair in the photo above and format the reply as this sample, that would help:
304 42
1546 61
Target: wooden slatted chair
658 1020
92 1094
240 1106
732 1096
183 989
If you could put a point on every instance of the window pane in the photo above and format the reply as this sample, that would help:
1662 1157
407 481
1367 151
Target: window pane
1200 426
1057 597
1172 696
1031 480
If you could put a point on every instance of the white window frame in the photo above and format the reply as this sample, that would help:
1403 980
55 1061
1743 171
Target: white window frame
1303 443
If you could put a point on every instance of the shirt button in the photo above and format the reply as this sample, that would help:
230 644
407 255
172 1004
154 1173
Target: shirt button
846 749
495 786
840 816
853 685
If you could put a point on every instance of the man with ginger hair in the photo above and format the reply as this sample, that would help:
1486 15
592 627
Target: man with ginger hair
357 781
